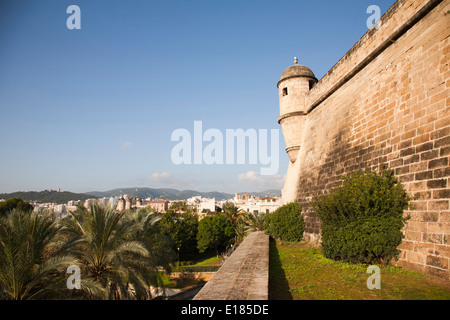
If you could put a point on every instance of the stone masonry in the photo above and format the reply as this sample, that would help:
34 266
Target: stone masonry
384 104
244 275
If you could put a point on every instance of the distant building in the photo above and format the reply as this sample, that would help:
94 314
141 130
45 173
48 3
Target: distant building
71 205
202 215
123 203
60 210
113 201
127 203
159 205
89 202
244 198
264 205
120 204
202 204
207 205
103 201
254 204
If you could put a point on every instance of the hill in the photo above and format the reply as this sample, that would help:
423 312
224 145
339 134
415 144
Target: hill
160 193
173 194
154 193
267 193
46 196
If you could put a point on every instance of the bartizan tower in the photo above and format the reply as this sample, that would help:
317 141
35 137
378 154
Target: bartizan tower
294 85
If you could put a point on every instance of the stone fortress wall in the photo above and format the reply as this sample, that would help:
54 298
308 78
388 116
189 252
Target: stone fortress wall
386 102
244 275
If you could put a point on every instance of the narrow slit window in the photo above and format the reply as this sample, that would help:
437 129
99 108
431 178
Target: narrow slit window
285 92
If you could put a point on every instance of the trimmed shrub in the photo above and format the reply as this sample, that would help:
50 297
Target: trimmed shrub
362 220
286 223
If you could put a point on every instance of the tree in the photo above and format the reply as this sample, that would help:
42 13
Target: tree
247 223
182 229
179 207
111 252
213 232
240 231
146 228
31 265
13 203
231 211
254 221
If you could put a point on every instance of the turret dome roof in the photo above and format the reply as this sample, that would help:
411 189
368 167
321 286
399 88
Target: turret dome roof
297 70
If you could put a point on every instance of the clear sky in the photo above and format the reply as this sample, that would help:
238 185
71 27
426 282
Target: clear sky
94 109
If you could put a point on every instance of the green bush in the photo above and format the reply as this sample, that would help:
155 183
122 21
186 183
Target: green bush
286 223
14 203
214 232
362 220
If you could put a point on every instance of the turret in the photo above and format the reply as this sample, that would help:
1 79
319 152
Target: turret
127 202
293 87
120 204
294 84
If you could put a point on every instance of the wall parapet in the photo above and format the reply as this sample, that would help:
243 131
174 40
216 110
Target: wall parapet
394 24
244 275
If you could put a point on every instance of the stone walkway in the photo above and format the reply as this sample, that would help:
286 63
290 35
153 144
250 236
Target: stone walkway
245 274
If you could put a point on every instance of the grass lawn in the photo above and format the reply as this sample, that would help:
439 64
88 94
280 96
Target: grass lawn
299 271
208 258
212 261
186 280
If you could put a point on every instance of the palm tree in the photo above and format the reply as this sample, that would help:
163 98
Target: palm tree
113 251
147 230
231 212
240 231
31 267
254 222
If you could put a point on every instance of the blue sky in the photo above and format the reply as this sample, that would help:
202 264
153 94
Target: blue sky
94 109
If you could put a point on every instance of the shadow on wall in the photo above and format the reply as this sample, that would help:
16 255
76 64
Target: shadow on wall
278 285
320 179
341 159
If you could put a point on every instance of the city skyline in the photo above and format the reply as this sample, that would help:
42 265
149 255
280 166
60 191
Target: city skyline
94 108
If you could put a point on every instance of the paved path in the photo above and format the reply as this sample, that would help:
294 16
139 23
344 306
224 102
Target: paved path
245 274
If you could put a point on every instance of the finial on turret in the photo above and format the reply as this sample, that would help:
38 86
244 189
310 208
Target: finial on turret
295 60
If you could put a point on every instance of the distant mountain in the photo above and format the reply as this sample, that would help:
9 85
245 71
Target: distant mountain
154 193
160 193
46 196
173 194
267 193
